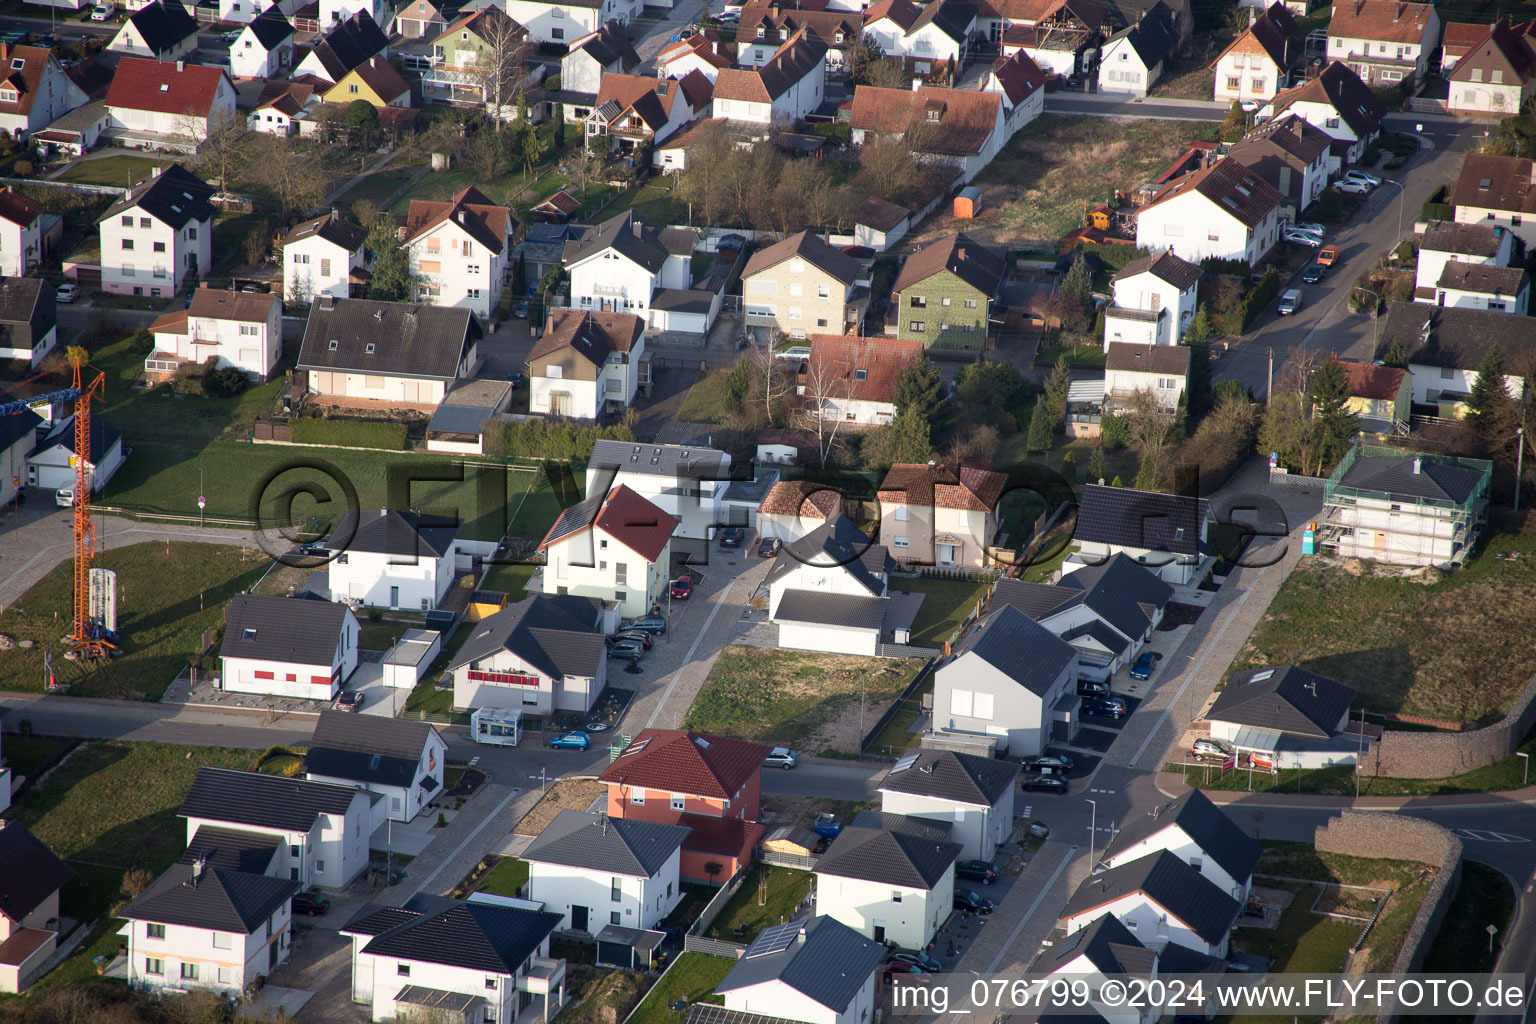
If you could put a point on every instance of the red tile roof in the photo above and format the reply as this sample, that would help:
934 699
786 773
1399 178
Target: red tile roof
636 523
800 55
158 85
684 761
1366 380
723 837
1270 34
1018 77
17 208
485 222
962 119
880 360
28 79
803 498
1384 21
1457 37
934 486
1231 186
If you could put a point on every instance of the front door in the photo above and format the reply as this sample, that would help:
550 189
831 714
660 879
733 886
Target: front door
879 932
394 597
579 918
946 554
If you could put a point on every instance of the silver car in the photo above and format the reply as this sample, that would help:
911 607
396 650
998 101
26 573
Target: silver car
781 757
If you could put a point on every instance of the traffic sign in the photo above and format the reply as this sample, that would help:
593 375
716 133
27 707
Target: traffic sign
202 502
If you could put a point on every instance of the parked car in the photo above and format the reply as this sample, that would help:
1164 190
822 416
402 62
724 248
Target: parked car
103 11
1355 174
636 636
64 497
769 548
1040 830
520 311
1313 274
1043 784
795 352
625 650
973 902
732 537
902 970
781 757
310 903
1092 688
827 826
516 379
67 293
571 741
1290 301
1355 187
1204 748
1104 708
1328 255
682 588
976 871
1312 227
1048 763
922 961
653 624
1301 238
349 700
1145 664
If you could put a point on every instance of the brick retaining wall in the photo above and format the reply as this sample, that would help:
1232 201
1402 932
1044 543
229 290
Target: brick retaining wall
1436 755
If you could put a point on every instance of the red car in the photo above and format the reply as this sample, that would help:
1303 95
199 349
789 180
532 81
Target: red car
682 588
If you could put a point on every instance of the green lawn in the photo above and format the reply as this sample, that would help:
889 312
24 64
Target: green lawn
507 878
375 188
706 399
380 636
426 696
27 754
743 917
120 171
945 606
510 579
1077 355
654 200
230 230
691 978
1483 898
1304 942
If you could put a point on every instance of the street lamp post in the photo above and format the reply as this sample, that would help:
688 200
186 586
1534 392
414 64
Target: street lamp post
1093 822
1519 465
1526 758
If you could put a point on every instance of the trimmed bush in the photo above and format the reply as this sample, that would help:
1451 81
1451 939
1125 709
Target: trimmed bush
1217 265
350 433
1114 257
545 439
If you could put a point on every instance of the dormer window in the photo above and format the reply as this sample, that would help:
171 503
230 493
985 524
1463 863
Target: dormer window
783 34
17 63
760 32
369 349
838 38
332 346
9 96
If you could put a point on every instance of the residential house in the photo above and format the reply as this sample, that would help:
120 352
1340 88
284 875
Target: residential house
1154 300
541 655
1159 899
1224 211
1057 36
283 647
1253 67
944 293
930 40
887 886
157 235
933 515
1384 41
686 482
1131 61
162 30
1287 713
201 927
1160 369
1480 286
812 971
238 12
333 12
1497 74
828 591
264 48
284 108
239 329
555 211
855 378
880 224
614 547
1165 532
565 21
459 250
1020 83
422 19
587 364
973 794
29 904
37 91
594 870
315 833
18 433
1446 347
1457 39
1198 833
1496 191
698 52
1382 396
621 264
324 256
51 464
605 51
962 127
1403 508
782 91
766 24
1103 950
463 960
477 60
361 352
1123 13
1010 682
374 81
1292 156
804 286
167 105
391 559
1339 103
793 508
344 46
1445 242
29 322
402 762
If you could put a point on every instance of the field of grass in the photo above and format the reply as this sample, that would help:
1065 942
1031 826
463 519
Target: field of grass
27 754
167 597
705 401
117 171
1483 898
506 878
375 188
1455 649
511 579
742 918
691 978
945 605
1304 941
1077 355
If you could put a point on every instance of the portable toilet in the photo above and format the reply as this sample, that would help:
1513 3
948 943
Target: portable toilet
968 203
1309 539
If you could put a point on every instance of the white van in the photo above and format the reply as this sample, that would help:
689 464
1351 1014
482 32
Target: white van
64 497
1290 301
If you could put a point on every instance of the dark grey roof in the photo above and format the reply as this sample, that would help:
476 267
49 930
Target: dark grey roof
1284 698
1121 592
629 234
1153 37
18 427
906 824
678 461
1141 519
851 610
1109 946
1207 826
1182 274
1454 338
1176 960
835 542
281 629
389 532
163 25
62 434
407 339
890 857
803 837
173 197
683 300
577 517
1173 885
28 300
263 801
29 871
811 248
349 44
218 900
233 849
1462 239
555 634
1099 633
952 17
332 227
1019 647
270 28
376 919
436 999
455 933
962 778
621 846
1432 481
1035 600
366 748
827 962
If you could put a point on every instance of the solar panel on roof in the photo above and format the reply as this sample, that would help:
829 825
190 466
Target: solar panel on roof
636 748
903 764
774 940
1260 676
1071 942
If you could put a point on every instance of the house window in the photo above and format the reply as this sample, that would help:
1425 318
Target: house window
154 965
679 802
1234 83
919 302
144 222
614 917
154 931
895 897
917 326
637 798
616 889
945 302
293 851
902 513
970 303
403 970
961 702
189 972
222 940
128 221
899 542
319 865
159 247
226 974
127 243
621 573
192 234
1445 373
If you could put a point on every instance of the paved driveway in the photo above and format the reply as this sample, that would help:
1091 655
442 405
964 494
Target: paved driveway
321 963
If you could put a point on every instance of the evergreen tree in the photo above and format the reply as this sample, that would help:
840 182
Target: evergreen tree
1198 398
1096 464
1116 482
520 277
1056 386
1041 427
911 441
1396 356
1077 285
1489 391
1199 330
1069 467
1336 424
920 390
1146 476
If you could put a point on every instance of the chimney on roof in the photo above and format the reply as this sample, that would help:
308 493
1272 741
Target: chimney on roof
181 65
197 871
960 253
1417 465
634 225
773 12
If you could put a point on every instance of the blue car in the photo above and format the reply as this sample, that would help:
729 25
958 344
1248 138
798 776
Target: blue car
571 741
1144 665
827 826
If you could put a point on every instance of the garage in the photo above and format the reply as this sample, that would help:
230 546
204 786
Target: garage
632 949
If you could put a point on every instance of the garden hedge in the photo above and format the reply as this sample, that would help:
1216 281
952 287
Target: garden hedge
350 433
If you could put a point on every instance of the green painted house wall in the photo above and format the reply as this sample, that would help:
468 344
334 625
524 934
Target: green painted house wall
955 326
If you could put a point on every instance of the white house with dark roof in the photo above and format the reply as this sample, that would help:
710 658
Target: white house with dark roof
391 559
29 321
1164 532
887 886
1198 833
1130 368
1225 210
1288 713
1131 60
264 48
1446 348
18 433
21 233
814 971
1103 950
1160 899
472 960
315 833
827 591
361 352
51 462
287 647
1155 300
400 761
925 36
615 547
972 794
161 30
158 234
1479 286
604 51
1010 683
587 363
1446 242
596 871
29 903
541 655
239 329
684 481
1339 103
323 257
345 46
621 264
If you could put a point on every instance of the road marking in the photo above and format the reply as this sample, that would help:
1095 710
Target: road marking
1482 836
1027 810
1101 791
688 658
467 840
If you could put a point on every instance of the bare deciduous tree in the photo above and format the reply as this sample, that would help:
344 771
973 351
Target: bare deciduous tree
1151 433
503 53
770 384
584 166
224 150
292 176
821 412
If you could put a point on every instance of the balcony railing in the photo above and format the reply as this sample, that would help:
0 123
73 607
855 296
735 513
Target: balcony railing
544 977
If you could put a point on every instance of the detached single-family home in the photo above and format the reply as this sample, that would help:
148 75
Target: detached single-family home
166 105
286 647
620 265
1021 84
51 462
29 904
1057 36
789 86
1224 210
565 21
315 833
1496 191
1128 368
944 293
1481 286
364 353
614 547
1164 532
1161 900
162 30
1198 833
887 886
1497 74
454 960
932 515
29 321
811 971
793 508
1339 103
264 48
1446 347
283 108
374 81
587 364
1103 950
854 378
391 559
637 110
1154 300
158 234
1445 242
18 433
459 250
765 24
477 60
36 91
595 870
1285 708
960 127
685 482
345 45
828 591
606 51
1254 66
973 794
1131 61
239 329
1291 155
1382 396
541 655
932 39
804 286
1384 41
324 256
399 761
698 52
419 19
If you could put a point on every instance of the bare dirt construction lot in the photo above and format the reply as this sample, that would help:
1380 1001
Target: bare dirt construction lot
565 795
779 809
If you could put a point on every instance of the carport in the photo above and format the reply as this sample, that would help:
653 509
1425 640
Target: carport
633 949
